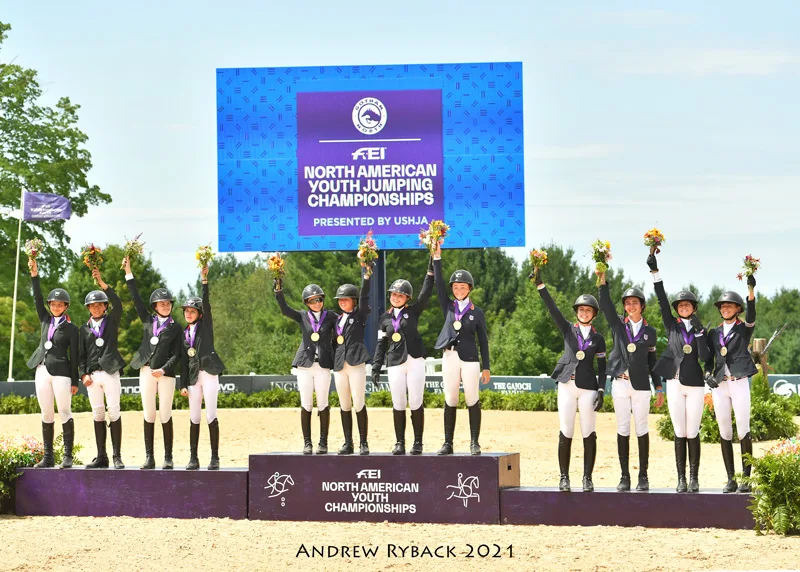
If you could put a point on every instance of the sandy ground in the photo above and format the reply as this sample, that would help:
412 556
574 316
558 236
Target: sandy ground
217 544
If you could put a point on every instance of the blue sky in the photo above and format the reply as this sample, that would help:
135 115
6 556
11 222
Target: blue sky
686 117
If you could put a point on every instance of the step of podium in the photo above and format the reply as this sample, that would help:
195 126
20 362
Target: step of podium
132 492
380 487
658 508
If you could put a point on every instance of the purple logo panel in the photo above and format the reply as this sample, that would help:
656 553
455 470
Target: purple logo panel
369 160
428 488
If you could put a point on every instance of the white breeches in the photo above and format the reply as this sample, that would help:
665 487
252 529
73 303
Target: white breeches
149 386
351 385
104 385
736 395
205 388
627 400
454 373
408 376
685 403
49 387
570 399
313 379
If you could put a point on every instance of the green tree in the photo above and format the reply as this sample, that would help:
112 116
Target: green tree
41 149
26 337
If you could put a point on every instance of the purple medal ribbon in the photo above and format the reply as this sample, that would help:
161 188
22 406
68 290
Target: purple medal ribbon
158 329
583 344
456 312
315 326
631 338
52 329
189 336
687 337
396 323
340 329
724 340
98 333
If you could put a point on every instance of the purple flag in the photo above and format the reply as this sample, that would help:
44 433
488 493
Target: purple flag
45 207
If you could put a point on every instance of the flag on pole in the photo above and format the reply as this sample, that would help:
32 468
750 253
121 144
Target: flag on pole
44 207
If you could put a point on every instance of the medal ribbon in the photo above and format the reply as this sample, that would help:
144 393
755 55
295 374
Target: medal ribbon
98 333
189 336
583 344
687 337
315 326
458 314
631 337
396 323
724 340
52 329
158 329
340 325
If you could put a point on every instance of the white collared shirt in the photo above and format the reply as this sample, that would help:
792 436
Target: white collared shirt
635 326
585 331
463 304
726 328
343 320
687 323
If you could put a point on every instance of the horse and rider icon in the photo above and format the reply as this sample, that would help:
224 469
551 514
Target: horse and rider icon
279 484
465 489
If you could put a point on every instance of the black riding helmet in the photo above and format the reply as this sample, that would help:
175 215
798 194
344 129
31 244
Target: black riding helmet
193 302
634 292
58 295
684 296
733 298
586 300
462 277
95 296
346 291
160 295
402 287
312 291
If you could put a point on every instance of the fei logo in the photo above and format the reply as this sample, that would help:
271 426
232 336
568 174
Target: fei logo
369 153
369 474
369 116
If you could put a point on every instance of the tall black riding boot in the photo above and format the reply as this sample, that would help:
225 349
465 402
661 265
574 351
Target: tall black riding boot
474 428
589 456
694 464
305 425
347 429
361 419
68 429
194 440
399 432
324 424
213 434
149 436
116 443
48 460
747 449
624 452
101 460
564 455
680 464
727 458
644 460
418 423
449 430
168 436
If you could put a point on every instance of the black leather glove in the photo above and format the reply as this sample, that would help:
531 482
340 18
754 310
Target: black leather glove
652 263
536 276
430 265
277 284
598 401
751 281
376 374
697 325
710 381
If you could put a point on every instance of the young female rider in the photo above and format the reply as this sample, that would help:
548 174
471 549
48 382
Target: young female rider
400 348
631 366
728 372
579 385
100 365
680 365
56 365
349 361
463 321
157 360
200 369
313 360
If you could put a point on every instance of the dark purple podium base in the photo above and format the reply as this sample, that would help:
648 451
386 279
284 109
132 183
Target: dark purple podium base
131 492
661 508
382 487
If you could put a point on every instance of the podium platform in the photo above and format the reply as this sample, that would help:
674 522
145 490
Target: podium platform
132 492
380 487
659 508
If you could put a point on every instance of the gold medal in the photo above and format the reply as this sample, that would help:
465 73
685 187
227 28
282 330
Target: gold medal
192 352
340 340
687 349
457 325
631 347
723 351
315 337
580 355
396 337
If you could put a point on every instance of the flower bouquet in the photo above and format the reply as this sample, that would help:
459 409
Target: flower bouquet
601 254
32 248
538 260
204 255
431 236
368 252
92 257
133 247
654 238
751 264
275 266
